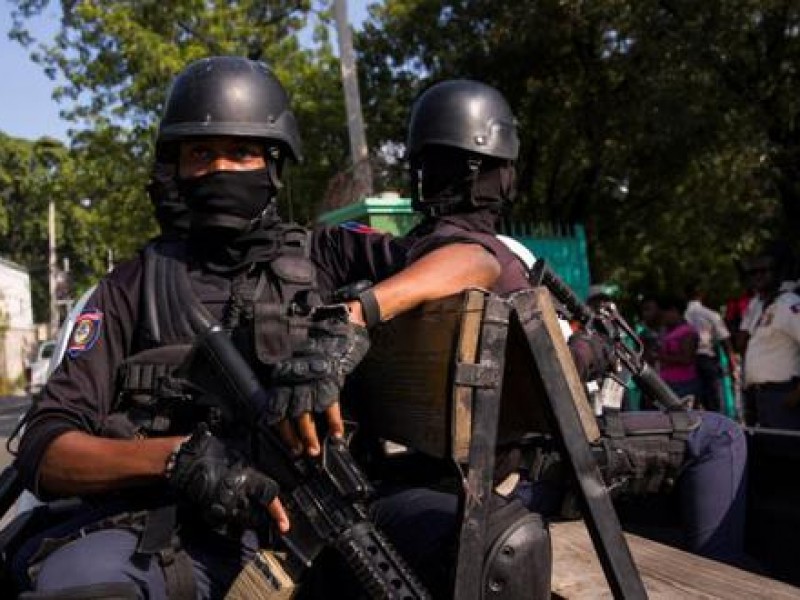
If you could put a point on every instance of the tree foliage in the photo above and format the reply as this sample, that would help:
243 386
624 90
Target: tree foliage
669 128
117 59
31 175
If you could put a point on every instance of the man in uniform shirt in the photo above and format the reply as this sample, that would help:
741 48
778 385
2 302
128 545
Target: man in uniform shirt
772 355
111 430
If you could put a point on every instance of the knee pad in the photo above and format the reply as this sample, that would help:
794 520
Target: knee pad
96 591
518 562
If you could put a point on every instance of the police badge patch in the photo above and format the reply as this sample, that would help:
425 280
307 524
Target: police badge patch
85 332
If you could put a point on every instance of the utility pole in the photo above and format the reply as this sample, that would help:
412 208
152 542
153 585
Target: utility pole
52 264
362 171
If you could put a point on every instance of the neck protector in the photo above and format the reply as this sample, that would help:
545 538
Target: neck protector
482 220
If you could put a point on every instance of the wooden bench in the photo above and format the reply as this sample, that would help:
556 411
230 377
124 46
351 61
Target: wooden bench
668 573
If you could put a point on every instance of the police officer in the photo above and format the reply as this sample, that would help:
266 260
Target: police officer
462 144
110 427
772 356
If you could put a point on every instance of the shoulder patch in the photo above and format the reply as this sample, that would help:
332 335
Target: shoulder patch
86 332
796 308
358 227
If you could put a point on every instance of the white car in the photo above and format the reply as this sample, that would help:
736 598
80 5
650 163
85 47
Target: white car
50 353
40 366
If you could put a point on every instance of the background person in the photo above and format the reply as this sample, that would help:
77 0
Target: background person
772 355
677 348
711 334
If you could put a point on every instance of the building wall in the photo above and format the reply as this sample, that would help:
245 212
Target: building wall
16 313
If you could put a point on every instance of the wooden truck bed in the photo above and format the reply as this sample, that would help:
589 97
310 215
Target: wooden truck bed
668 573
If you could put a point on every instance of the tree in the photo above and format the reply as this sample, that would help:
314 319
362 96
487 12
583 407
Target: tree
665 127
118 57
31 174
27 171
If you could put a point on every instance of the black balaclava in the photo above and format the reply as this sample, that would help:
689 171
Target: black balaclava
227 199
231 214
466 190
448 180
170 209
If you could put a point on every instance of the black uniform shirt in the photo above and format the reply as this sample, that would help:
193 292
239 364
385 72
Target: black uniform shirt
345 256
80 393
514 273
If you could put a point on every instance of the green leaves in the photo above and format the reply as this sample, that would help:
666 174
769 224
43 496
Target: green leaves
670 129
691 108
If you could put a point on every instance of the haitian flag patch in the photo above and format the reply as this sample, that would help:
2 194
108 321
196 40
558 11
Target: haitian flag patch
358 227
85 332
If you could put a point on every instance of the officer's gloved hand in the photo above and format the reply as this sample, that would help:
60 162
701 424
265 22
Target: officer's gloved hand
592 354
344 342
215 478
310 380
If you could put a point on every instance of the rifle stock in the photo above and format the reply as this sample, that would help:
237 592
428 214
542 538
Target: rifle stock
324 498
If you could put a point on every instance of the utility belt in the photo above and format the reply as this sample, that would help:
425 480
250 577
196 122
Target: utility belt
643 452
36 534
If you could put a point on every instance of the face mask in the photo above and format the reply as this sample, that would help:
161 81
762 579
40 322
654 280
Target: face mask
227 199
448 182
445 177
494 186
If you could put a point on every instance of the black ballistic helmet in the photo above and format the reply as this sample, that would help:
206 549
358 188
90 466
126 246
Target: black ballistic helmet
464 114
229 95
462 144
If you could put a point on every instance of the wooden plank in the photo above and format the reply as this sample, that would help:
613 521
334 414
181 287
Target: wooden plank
668 573
535 314
550 322
467 352
403 388
482 446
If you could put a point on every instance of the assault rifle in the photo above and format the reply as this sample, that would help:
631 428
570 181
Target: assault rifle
324 498
612 327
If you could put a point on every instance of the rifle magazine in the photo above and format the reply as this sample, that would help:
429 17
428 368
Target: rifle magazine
263 577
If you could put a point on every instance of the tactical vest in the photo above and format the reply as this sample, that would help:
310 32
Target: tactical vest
265 313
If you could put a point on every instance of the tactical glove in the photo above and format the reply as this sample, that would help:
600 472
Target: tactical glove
215 478
310 380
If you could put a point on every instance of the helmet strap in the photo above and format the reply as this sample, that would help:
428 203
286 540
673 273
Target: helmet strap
419 183
474 166
274 166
